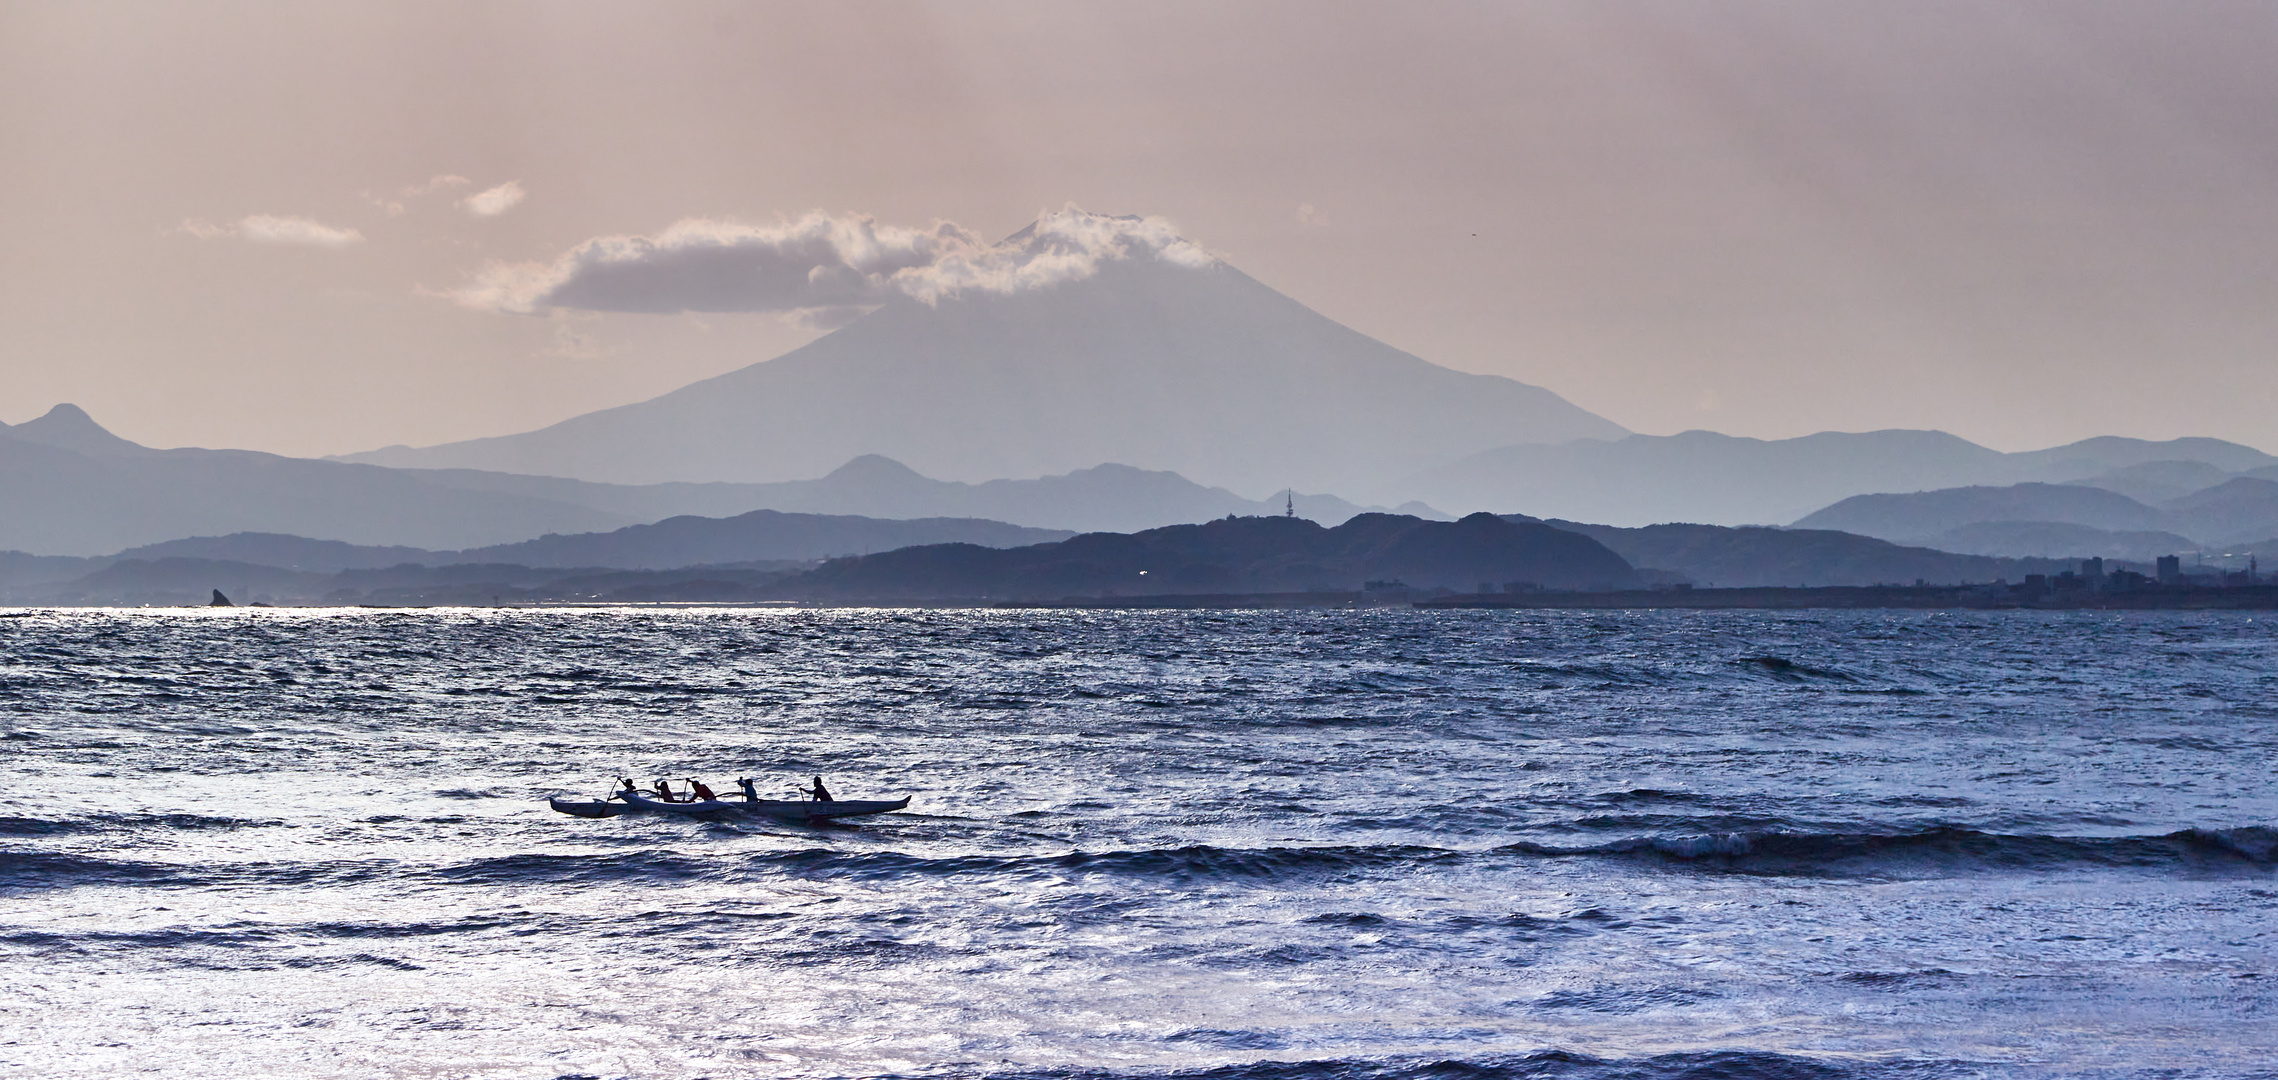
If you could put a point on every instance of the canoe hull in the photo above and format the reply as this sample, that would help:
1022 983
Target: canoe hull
586 809
836 808
624 802
821 810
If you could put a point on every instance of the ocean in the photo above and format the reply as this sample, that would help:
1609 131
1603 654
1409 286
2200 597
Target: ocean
1227 844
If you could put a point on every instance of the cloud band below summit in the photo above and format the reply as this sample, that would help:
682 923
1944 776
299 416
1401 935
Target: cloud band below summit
818 263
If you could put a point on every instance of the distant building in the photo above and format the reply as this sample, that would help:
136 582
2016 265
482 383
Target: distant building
2171 569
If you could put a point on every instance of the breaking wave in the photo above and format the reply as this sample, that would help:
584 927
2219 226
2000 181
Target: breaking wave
1927 853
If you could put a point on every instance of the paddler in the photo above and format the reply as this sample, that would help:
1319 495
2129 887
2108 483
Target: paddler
702 792
821 793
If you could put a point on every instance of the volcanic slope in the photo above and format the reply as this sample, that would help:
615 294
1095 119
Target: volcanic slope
1146 362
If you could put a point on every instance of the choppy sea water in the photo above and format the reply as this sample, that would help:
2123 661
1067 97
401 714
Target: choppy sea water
1239 844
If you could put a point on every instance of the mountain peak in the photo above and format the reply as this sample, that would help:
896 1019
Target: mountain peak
1072 231
877 469
68 427
1084 339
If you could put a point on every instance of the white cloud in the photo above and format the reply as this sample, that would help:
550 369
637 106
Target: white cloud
820 269
494 201
273 229
434 184
394 205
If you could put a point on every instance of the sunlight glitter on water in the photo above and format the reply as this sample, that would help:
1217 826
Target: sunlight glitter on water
280 843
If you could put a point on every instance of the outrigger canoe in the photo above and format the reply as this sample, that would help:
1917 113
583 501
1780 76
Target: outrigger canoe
631 802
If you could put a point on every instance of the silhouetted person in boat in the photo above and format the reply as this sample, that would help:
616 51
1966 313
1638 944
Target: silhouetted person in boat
629 788
664 791
751 794
702 792
821 793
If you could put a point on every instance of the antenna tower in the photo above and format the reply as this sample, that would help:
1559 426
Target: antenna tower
1289 503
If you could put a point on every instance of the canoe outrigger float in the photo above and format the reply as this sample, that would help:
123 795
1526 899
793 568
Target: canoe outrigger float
635 802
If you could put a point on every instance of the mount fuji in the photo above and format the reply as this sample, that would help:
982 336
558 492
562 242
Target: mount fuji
1144 360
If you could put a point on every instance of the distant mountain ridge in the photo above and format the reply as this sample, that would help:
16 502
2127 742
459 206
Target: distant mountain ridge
72 488
1918 514
1720 556
1254 554
1705 477
1232 555
1158 365
2059 540
759 536
180 571
676 542
2239 510
1103 498
748 557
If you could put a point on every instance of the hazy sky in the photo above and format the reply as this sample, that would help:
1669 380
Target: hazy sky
257 225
